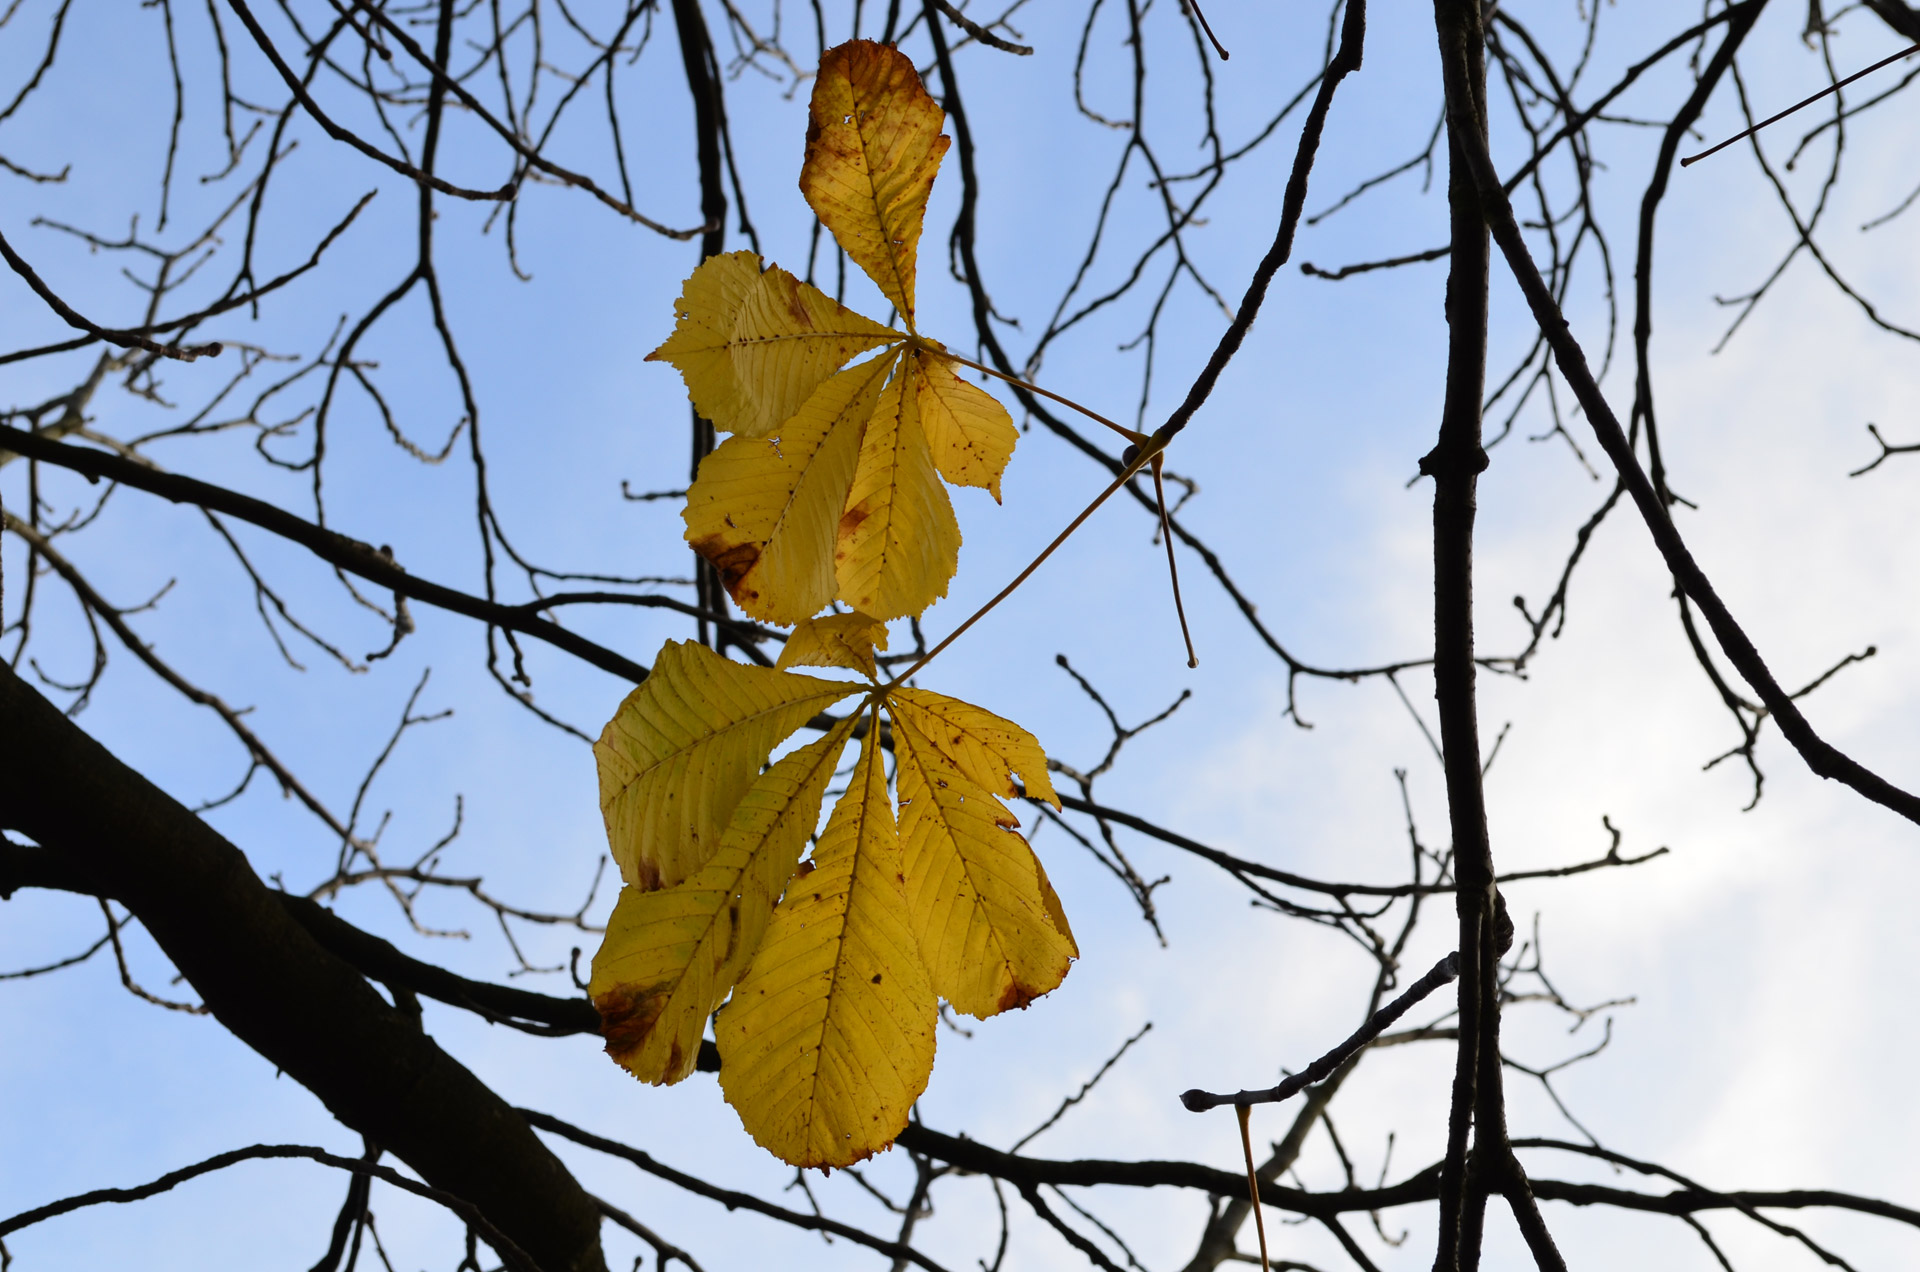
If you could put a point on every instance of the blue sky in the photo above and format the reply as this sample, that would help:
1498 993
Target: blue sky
1768 952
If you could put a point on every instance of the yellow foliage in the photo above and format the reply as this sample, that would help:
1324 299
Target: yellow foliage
899 542
988 749
788 525
968 431
829 489
873 147
754 346
701 346
766 511
829 1038
671 955
836 640
990 929
684 747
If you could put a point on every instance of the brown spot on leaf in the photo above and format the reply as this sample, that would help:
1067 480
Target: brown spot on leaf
1015 995
876 978
797 310
731 560
627 1017
850 519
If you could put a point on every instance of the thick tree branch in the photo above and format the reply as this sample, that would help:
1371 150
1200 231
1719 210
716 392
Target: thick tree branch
1899 15
1820 756
26 866
379 960
268 982
1455 464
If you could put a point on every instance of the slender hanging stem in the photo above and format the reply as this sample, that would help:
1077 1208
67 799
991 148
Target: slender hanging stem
1243 1111
1173 570
1139 461
1131 435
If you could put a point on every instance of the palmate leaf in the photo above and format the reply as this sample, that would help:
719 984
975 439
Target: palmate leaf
898 542
763 354
844 499
832 487
836 640
684 747
753 346
990 928
829 1034
766 511
829 1038
670 956
873 147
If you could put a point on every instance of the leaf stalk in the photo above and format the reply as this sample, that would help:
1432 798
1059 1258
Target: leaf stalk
1149 450
1132 435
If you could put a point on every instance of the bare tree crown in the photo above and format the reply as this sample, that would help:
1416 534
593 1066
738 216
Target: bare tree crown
328 420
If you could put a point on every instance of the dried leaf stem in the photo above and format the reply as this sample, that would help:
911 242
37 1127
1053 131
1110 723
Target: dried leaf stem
1132 435
1136 440
1133 467
1173 570
1245 1111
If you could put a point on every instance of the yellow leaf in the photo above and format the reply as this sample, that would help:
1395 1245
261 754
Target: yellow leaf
990 928
700 347
684 747
789 338
670 956
754 346
836 640
828 1039
969 432
987 748
766 511
873 147
898 542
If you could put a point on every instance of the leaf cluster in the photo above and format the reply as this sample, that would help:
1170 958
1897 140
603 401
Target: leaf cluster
831 487
830 491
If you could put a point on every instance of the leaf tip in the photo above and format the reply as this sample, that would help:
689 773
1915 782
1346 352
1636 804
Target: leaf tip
1015 995
627 1019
